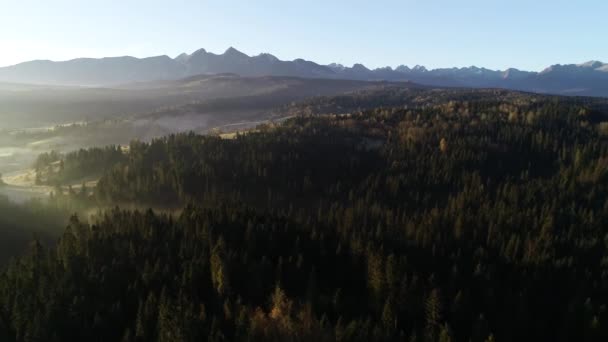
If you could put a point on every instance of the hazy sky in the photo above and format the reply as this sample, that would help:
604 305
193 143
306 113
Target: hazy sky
528 34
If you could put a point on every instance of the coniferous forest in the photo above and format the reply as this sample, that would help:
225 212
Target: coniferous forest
431 215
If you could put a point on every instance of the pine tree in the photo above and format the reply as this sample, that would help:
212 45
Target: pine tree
433 314
443 145
219 268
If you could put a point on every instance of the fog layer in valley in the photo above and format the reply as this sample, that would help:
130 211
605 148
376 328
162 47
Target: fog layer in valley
35 118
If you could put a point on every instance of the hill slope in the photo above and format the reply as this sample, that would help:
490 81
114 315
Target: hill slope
463 216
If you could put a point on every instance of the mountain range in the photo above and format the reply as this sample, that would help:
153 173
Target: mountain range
587 79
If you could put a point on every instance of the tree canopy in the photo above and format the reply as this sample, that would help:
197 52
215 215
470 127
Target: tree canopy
479 218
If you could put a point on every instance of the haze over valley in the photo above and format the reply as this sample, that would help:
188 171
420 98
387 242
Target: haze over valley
40 118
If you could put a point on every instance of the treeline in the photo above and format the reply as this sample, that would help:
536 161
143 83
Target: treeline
473 219
425 96
54 168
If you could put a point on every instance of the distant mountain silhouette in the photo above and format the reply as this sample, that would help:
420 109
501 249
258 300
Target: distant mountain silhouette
589 78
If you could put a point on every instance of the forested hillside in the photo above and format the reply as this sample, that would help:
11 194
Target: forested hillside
20 224
448 217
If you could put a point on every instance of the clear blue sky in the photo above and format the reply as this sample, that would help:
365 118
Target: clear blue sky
530 34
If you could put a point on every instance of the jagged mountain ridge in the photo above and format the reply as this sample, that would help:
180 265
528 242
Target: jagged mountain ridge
589 78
